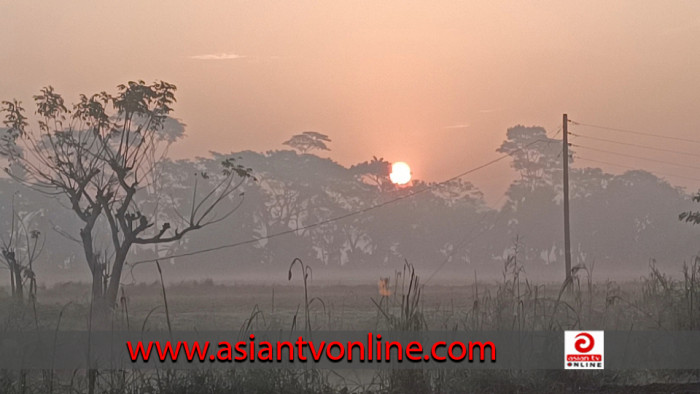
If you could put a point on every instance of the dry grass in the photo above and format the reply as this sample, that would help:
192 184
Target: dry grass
655 302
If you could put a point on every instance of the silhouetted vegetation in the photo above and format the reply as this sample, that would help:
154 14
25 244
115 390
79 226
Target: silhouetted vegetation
95 186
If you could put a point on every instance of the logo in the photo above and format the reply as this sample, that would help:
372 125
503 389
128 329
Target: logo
584 349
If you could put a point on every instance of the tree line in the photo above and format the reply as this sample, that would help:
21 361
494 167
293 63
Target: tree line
91 186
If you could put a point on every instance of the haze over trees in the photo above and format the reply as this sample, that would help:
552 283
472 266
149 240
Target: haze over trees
109 172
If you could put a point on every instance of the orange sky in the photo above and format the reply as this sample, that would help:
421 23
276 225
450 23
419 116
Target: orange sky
434 84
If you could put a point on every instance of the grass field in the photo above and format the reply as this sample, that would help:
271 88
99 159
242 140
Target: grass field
654 302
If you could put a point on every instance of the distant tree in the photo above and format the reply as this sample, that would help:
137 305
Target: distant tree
691 216
307 141
374 172
293 196
101 160
21 246
534 199
535 156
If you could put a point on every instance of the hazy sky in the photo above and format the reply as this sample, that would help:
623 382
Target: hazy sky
435 84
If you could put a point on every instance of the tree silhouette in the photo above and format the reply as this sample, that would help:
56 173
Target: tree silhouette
101 160
535 156
691 216
307 141
20 248
375 172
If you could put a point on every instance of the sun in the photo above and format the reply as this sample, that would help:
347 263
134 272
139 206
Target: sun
400 173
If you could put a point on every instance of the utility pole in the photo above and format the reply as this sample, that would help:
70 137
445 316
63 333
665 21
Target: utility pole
565 159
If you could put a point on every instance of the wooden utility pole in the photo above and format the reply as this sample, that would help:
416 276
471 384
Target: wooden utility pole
565 159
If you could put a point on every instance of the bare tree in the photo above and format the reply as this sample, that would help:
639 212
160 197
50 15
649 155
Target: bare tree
20 248
99 156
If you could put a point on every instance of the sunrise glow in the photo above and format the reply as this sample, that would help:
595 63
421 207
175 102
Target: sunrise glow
400 173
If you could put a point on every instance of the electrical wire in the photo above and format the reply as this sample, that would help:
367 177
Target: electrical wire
556 134
469 239
634 168
633 156
337 218
635 145
635 132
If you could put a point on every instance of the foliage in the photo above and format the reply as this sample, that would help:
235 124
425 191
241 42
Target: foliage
307 141
446 231
102 155
691 216
375 172
535 156
20 248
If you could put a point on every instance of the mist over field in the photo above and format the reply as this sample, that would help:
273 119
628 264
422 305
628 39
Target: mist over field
620 223
303 167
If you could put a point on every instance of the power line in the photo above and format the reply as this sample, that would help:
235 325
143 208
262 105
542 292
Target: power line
636 145
634 157
636 132
341 217
467 241
634 168
556 134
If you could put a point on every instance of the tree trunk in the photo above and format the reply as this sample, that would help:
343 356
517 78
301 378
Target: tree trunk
19 292
15 274
99 313
12 280
115 279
